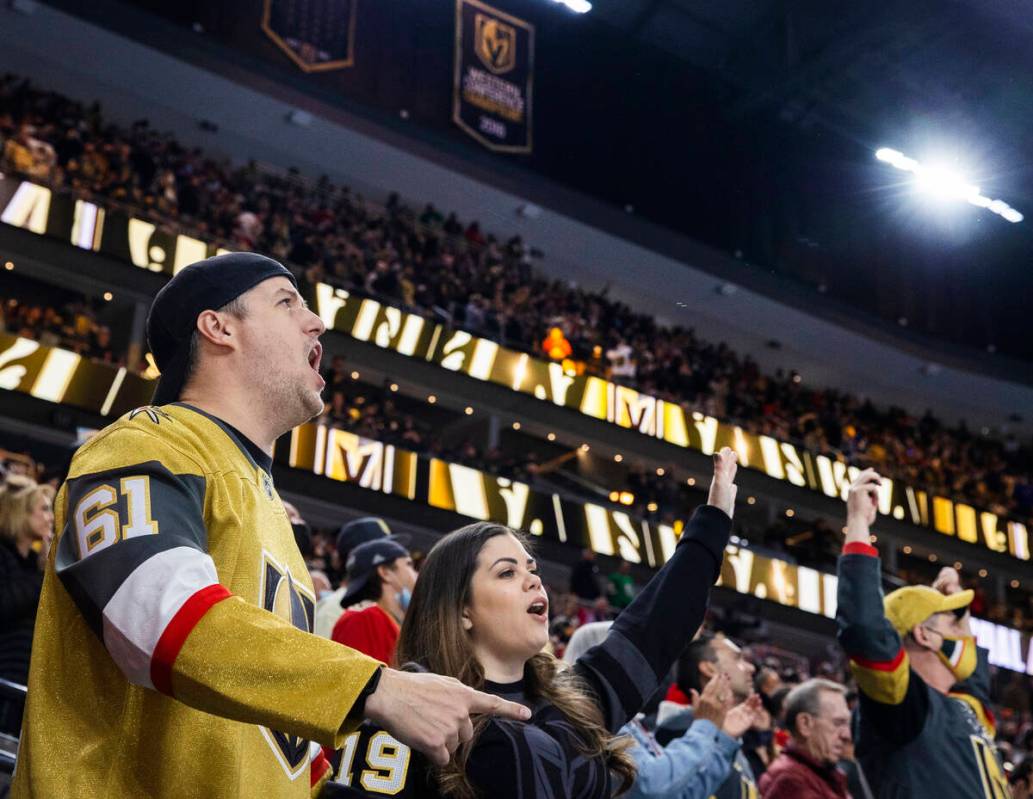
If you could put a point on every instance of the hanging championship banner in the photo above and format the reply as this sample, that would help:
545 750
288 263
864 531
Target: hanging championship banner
317 35
494 72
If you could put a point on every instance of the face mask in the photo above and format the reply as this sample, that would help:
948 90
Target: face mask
404 598
959 655
324 594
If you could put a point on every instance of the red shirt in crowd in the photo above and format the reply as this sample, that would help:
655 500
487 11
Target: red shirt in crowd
371 631
794 775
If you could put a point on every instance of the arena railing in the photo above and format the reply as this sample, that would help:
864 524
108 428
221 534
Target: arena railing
12 699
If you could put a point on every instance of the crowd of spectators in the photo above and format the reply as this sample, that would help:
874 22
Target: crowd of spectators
73 326
378 413
432 262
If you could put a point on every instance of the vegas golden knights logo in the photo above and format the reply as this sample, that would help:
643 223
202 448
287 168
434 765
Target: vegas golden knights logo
288 600
496 44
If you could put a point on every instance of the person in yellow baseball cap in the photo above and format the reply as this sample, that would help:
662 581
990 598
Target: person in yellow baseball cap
924 614
925 727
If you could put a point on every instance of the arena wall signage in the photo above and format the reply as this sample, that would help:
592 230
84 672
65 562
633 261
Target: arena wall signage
147 246
373 465
58 375
316 35
458 351
339 455
91 227
493 85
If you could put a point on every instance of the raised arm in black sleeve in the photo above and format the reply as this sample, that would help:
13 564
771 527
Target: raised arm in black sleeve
651 632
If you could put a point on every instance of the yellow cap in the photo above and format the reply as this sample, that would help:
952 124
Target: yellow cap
913 604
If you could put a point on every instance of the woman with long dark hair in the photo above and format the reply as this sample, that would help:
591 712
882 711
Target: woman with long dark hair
479 614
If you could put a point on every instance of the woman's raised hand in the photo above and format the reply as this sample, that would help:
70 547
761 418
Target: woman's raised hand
723 488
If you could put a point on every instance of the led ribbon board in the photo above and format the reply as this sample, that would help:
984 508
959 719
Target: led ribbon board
459 351
373 465
57 375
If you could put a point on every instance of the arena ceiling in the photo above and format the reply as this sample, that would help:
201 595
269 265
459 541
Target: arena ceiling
944 80
852 67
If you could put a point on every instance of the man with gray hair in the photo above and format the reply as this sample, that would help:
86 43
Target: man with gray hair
818 720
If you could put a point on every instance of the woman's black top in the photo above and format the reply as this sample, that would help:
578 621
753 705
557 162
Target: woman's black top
540 757
20 584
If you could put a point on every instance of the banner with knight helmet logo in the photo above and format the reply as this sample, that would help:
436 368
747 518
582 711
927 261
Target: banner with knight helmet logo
494 72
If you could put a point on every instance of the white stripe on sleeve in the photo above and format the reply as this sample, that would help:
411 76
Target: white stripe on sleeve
141 608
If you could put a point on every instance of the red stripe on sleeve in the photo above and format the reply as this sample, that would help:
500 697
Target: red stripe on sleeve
881 665
175 633
320 766
860 548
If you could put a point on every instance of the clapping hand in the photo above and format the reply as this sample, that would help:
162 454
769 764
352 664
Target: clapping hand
744 716
713 703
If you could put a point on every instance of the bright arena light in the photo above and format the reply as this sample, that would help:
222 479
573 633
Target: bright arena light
578 6
944 184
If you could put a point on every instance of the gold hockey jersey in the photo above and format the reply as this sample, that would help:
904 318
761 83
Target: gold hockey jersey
173 654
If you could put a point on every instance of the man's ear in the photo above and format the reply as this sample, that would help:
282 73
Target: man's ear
708 669
384 573
804 724
216 328
922 637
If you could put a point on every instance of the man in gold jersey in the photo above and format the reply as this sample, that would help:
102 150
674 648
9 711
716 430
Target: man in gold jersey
173 654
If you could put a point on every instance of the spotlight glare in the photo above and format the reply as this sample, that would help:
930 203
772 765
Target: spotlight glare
943 184
577 6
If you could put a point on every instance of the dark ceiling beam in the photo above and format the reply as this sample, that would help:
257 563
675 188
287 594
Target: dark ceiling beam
706 24
649 8
863 27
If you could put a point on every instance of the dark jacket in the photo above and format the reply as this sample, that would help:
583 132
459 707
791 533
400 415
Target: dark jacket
20 584
907 730
794 775
584 580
